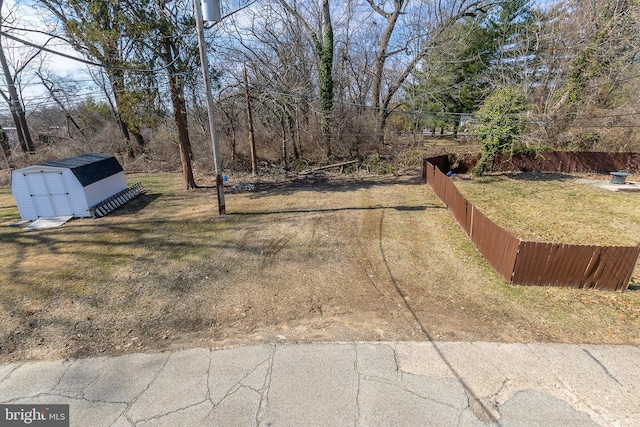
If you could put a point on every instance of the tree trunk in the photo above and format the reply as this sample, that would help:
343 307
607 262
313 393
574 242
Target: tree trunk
24 136
136 145
139 143
284 141
325 53
232 130
323 45
124 128
297 141
180 117
184 144
252 139
291 127
381 124
6 148
381 58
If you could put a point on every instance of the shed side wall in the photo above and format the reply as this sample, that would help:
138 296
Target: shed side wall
103 189
78 199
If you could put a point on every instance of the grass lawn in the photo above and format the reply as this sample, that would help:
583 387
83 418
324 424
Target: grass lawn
325 258
556 208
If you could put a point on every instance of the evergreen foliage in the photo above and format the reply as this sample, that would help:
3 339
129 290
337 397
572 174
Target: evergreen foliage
483 49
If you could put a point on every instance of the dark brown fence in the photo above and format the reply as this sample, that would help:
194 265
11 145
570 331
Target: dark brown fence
534 263
600 267
568 162
546 161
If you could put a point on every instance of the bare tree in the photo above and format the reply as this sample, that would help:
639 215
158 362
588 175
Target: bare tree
281 71
587 68
323 44
166 37
52 86
12 97
422 23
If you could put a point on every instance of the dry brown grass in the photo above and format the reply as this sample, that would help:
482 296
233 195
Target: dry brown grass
556 208
320 259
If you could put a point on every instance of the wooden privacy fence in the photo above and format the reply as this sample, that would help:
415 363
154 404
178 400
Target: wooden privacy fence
546 161
534 263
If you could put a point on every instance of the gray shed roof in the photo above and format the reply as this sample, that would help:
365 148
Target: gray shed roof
88 168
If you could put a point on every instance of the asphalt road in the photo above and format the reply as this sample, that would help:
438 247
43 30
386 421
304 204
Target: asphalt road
340 384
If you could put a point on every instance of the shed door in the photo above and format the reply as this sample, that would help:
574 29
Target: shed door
48 193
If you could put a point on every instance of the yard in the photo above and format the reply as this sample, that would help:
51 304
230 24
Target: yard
324 258
557 208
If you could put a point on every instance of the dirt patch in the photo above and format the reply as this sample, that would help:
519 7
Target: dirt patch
321 258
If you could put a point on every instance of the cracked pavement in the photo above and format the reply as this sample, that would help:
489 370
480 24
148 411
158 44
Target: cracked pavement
345 384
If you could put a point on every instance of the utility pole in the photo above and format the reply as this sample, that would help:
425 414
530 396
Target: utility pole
212 7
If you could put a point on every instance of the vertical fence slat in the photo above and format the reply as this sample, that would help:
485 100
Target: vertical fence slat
618 274
521 270
546 254
629 258
611 270
634 257
566 260
495 244
592 266
580 270
575 275
610 262
539 255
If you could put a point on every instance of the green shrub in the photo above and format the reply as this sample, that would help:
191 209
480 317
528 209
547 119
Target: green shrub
378 165
499 121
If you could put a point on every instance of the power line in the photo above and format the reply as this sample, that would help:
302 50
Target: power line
82 60
275 91
534 118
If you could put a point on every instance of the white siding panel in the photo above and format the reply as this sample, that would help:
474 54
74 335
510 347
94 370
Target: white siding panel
58 194
22 196
36 183
39 193
77 199
103 189
48 192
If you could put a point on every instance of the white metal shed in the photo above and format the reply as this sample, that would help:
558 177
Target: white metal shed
69 186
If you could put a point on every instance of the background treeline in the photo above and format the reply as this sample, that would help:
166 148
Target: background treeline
325 80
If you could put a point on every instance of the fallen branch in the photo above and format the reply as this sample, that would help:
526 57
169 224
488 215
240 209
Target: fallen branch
335 165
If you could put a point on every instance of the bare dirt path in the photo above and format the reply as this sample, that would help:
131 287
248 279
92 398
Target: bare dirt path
316 259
